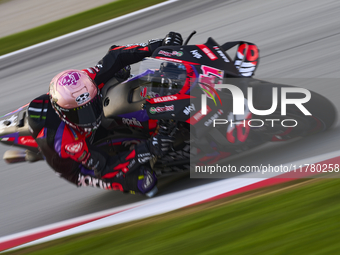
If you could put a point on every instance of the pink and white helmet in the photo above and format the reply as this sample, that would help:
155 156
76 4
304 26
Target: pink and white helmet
76 99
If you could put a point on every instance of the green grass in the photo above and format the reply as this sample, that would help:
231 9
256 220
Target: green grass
72 23
303 219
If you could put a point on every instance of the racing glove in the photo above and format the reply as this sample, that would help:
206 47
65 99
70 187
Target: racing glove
161 144
172 38
124 73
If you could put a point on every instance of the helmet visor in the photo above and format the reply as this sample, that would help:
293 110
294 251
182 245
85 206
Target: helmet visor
85 116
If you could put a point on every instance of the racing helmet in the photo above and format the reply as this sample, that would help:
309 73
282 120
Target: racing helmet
163 77
76 99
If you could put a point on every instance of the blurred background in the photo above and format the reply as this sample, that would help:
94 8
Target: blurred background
20 15
297 39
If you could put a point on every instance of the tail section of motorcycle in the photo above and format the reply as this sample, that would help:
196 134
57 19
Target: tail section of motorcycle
14 131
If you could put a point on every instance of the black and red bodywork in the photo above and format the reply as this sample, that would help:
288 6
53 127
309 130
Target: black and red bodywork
128 118
206 65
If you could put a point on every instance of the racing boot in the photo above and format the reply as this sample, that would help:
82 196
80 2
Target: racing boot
143 181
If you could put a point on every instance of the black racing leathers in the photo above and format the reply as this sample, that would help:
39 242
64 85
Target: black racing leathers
69 151
118 57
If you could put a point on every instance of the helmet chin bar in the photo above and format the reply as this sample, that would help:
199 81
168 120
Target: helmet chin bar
85 118
83 129
75 126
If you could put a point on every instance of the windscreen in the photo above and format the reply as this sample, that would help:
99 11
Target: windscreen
161 78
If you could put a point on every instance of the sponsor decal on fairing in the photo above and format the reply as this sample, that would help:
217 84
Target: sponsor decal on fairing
161 109
163 99
221 53
170 54
196 54
212 118
189 109
207 52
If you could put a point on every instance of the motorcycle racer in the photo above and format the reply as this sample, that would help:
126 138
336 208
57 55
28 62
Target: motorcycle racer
62 124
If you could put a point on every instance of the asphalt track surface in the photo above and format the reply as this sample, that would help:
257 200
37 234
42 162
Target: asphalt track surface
297 39
21 15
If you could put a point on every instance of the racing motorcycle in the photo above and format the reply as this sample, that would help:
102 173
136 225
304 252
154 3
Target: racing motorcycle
182 85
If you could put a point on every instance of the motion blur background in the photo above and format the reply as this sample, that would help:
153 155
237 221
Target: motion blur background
297 39
20 15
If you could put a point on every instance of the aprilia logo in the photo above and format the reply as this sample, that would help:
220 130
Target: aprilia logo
131 122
